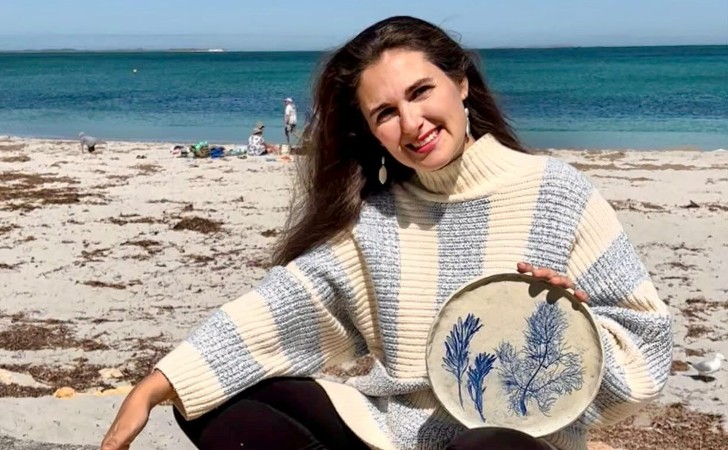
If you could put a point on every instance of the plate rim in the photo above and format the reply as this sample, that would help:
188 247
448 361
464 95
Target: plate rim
518 277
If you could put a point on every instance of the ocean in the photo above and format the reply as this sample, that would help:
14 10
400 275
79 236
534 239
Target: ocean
626 98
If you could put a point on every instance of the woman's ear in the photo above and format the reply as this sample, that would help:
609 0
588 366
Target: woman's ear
464 88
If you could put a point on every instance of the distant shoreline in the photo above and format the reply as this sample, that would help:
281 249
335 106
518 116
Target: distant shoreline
232 143
223 50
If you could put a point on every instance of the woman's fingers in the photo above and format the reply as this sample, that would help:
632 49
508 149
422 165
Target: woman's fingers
524 267
538 272
559 280
552 277
581 296
546 274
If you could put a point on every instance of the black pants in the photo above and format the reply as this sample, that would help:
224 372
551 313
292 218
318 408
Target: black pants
296 414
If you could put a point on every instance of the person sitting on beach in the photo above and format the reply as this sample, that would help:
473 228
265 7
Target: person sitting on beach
87 142
413 185
289 119
256 143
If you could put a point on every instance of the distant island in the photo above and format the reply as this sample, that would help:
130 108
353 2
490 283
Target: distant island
119 50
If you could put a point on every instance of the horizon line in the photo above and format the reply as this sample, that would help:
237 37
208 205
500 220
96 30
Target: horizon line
224 50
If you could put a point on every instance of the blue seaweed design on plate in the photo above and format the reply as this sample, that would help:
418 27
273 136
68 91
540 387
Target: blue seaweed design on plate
476 377
544 369
457 360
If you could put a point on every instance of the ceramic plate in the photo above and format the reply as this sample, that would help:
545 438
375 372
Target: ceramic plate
513 351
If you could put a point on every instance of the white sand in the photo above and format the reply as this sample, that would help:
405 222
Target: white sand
148 284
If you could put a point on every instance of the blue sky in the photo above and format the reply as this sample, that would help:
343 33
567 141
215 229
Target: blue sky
319 24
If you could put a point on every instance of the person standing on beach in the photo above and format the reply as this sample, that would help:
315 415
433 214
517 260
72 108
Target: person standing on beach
289 118
87 142
414 184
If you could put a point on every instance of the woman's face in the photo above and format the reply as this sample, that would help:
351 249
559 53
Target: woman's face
414 109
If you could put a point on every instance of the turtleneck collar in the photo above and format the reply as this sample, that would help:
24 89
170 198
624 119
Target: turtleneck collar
480 167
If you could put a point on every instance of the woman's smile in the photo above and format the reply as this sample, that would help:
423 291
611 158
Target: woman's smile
426 143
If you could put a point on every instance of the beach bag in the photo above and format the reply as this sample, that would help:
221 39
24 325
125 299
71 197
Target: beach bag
200 151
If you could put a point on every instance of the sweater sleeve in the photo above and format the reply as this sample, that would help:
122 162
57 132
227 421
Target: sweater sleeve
296 322
635 325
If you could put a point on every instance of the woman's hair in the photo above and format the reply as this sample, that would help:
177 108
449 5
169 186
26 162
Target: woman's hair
342 157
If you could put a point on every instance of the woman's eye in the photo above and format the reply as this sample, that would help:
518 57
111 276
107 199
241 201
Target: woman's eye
384 114
421 90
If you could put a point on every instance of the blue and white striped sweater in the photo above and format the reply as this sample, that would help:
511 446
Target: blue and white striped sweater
377 288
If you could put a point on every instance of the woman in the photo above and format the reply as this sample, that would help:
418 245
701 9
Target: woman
415 184
256 143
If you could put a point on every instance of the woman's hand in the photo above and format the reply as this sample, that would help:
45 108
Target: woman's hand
552 277
134 411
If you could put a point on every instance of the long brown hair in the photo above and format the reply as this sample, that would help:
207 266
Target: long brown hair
342 157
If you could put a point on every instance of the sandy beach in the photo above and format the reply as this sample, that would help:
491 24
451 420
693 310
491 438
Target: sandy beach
107 260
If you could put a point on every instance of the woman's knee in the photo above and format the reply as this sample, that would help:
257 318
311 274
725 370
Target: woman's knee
273 392
255 425
290 395
496 439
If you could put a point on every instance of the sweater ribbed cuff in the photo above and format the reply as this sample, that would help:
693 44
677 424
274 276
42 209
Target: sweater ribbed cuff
189 374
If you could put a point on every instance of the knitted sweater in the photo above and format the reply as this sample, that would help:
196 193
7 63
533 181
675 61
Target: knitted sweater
376 290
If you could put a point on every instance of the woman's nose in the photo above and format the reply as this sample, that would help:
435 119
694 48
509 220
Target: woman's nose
410 121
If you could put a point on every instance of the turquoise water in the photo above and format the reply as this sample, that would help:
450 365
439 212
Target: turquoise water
632 97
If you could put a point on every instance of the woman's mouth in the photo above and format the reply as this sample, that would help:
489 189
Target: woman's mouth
427 142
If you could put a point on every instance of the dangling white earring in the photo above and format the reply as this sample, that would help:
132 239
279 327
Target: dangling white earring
467 122
383 172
